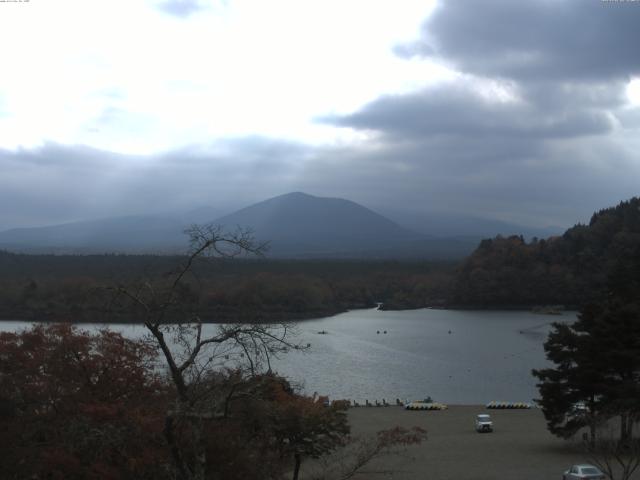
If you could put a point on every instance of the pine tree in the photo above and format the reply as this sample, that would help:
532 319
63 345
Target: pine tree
597 358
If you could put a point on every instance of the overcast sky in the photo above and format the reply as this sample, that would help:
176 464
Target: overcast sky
524 111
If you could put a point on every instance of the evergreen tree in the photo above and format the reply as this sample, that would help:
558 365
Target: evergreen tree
597 358
576 379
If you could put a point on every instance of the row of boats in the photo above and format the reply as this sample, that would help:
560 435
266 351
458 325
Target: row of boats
430 405
509 405
420 405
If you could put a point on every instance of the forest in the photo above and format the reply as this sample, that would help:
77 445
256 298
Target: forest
80 288
503 272
567 270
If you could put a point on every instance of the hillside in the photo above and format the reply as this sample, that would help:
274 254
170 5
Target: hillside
570 269
296 225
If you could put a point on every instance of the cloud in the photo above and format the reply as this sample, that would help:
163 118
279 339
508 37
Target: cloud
536 124
455 109
57 183
533 127
534 40
182 8
524 180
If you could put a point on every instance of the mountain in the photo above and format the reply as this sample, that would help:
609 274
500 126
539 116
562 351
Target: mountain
133 234
296 225
460 226
201 215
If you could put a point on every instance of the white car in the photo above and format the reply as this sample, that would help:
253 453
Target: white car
484 423
583 472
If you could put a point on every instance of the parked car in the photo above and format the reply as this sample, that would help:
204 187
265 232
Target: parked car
579 408
583 472
484 423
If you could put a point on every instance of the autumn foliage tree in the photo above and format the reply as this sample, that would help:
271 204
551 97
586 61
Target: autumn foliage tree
306 427
76 405
79 405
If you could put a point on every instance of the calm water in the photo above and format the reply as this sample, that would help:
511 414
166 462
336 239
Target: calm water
453 356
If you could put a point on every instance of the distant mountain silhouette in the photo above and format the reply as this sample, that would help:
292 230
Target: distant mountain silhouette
134 234
296 225
302 225
459 225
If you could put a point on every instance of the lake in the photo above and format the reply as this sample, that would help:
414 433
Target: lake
454 356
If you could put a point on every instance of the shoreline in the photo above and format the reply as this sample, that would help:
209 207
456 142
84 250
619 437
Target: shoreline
288 318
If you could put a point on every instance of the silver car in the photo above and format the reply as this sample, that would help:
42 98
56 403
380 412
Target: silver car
583 472
484 423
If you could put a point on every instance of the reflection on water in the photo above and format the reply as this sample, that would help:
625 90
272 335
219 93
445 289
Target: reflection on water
453 356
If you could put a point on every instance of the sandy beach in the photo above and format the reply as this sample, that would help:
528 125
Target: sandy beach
519 448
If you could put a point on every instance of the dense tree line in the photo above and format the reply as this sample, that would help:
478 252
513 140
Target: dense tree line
77 288
568 270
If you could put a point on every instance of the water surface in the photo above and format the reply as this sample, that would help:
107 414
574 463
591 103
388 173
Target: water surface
454 356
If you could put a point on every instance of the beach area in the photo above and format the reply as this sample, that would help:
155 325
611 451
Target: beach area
520 447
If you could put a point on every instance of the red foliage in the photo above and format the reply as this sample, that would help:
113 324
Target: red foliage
78 405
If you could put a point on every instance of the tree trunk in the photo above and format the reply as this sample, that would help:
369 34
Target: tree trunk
200 467
592 433
196 468
182 472
625 434
296 470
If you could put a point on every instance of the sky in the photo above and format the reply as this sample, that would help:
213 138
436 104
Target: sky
526 112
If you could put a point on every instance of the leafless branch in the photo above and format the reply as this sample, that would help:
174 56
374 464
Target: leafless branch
617 459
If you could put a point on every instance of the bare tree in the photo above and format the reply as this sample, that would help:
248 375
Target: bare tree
618 459
360 452
192 350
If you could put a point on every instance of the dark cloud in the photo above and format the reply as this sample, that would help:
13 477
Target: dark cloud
182 8
530 182
457 110
564 64
521 180
536 39
558 146
57 183
535 130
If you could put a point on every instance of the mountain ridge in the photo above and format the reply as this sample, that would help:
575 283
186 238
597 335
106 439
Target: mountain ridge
297 225
300 224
